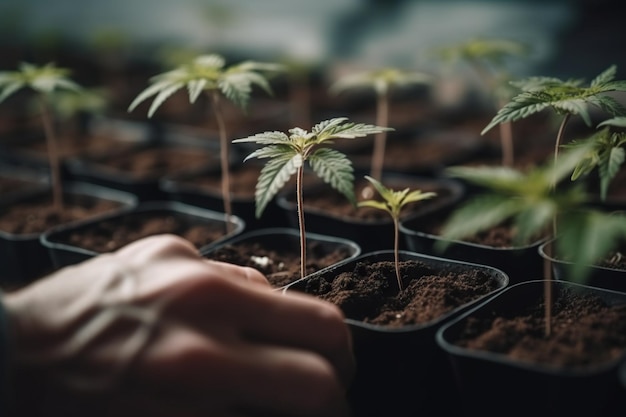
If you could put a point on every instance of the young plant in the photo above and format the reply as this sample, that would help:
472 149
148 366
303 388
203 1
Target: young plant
393 203
566 98
287 155
607 153
536 208
208 73
382 81
44 80
487 57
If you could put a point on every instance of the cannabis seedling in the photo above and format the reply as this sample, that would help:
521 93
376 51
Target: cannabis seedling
382 81
393 203
536 208
566 98
208 73
45 80
607 153
487 57
287 154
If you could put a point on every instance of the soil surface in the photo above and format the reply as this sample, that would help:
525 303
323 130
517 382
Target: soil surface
282 266
36 216
585 331
369 292
111 234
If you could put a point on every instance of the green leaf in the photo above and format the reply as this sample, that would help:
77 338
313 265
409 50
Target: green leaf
477 215
274 175
266 138
335 169
619 121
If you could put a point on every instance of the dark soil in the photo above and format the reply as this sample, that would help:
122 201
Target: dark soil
280 267
111 234
38 215
369 292
326 199
585 331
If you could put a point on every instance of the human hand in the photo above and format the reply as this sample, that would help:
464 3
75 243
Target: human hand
155 329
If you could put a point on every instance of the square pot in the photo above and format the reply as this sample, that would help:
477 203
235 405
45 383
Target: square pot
492 382
400 369
22 255
201 226
275 252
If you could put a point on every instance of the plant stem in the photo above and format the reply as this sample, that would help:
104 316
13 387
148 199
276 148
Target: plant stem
53 158
547 270
506 142
224 158
300 205
396 252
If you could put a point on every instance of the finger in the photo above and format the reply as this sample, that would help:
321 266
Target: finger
258 315
235 271
252 379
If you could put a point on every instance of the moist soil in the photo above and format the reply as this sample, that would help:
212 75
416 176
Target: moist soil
584 331
280 267
111 234
369 292
38 215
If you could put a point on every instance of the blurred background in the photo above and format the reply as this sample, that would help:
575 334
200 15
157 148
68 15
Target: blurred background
569 38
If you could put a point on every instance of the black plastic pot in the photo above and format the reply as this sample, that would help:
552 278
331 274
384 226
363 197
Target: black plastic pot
64 252
160 155
17 180
284 242
374 234
22 256
400 370
599 276
520 263
188 188
493 384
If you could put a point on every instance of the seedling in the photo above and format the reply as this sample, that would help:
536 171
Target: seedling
382 81
393 203
44 80
607 154
536 208
287 155
208 73
487 57
566 98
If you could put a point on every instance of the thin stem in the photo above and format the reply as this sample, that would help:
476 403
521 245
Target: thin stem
300 204
396 251
53 158
547 271
547 264
224 158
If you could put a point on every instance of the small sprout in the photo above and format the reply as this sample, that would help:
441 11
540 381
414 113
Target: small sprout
566 98
607 153
382 81
287 154
208 73
394 202
45 80
487 57
536 208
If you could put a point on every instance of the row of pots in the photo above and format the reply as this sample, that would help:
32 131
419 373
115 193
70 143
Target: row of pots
413 353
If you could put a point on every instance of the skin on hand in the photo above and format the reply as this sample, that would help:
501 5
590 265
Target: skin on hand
156 329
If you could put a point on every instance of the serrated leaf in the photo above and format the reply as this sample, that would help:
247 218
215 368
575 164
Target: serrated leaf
619 121
477 215
335 169
273 177
265 138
